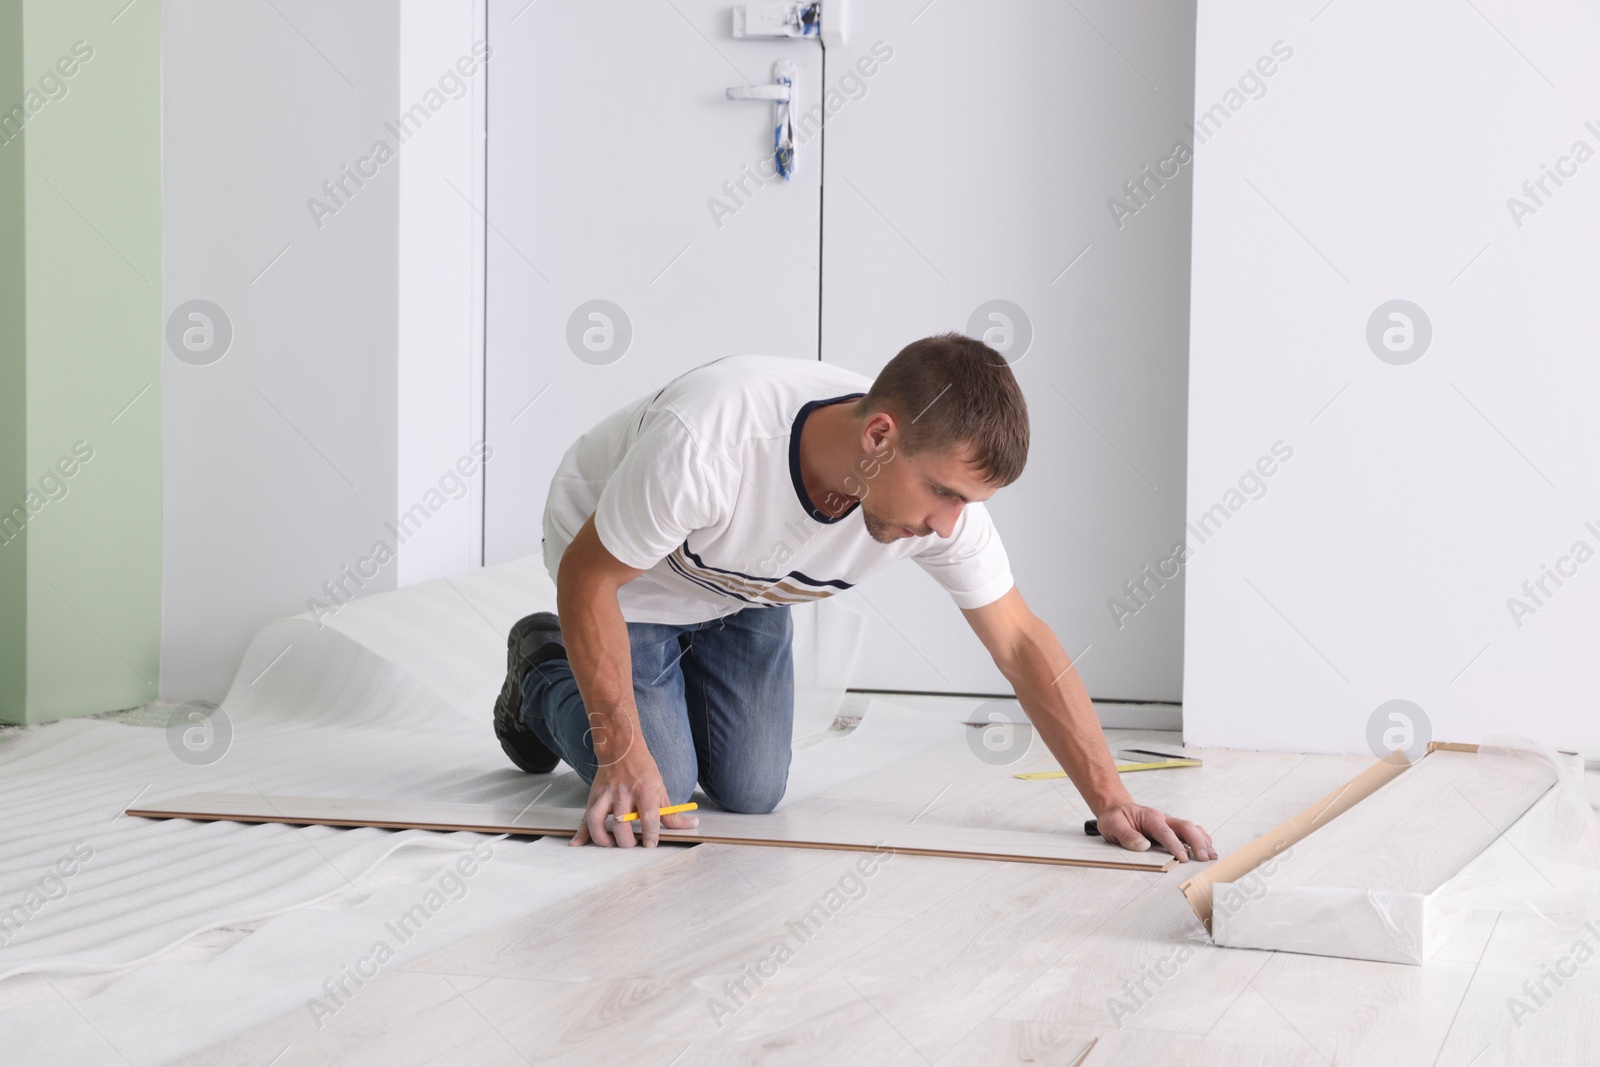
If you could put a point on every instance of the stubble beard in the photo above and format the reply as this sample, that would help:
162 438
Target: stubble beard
885 533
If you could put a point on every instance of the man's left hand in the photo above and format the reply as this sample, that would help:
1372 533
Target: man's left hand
1133 826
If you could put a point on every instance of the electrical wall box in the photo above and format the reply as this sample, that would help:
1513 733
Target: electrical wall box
819 19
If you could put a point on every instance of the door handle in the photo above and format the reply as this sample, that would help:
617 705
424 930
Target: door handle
759 92
781 94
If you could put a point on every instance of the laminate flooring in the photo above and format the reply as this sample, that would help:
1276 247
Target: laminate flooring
858 830
733 954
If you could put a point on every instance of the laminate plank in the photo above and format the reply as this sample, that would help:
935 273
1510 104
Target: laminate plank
828 1022
431 1013
623 1019
951 786
486 1049
952 770
1147 965
1520 1008
1001 804
1003 1043
1211 795
1215 792
947 771
1200 794
1382 1014
973 948
501 1000
771 868
719 923
692 1005
976 948
1466 945
781 829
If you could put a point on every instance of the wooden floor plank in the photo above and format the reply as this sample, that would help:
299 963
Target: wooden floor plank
1004 1043
1519 1007
831 1023
433 1015
860 832
486 1049
706 958
967 951
1383 1013
978 948
1148 965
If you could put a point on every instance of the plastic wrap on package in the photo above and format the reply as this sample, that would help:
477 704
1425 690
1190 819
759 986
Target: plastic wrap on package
1546 860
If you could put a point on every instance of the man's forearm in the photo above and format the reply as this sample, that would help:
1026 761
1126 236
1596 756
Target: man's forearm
1058 705
602 663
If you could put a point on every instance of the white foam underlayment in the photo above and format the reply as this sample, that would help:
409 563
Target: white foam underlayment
391 697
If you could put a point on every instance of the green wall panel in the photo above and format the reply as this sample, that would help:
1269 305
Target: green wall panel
89 472
13 379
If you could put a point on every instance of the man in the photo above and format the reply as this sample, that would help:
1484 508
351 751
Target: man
679 531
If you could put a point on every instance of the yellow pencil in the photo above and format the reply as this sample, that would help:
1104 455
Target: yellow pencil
632 815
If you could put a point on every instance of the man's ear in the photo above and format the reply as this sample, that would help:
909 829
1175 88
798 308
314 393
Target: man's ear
877 431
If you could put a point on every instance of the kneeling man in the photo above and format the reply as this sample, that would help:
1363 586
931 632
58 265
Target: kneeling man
680 530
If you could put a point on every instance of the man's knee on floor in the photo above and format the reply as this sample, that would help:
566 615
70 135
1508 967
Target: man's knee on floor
679 780
752 797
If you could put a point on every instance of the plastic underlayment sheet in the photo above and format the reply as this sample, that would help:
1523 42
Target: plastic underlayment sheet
391 698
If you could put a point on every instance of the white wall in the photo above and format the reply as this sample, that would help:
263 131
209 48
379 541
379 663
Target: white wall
978 163
441 286
279 458
1420 496
352 391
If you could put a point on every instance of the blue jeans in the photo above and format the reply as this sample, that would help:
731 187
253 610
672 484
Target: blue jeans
716 704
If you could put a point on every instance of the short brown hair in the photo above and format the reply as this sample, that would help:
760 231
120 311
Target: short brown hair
951 390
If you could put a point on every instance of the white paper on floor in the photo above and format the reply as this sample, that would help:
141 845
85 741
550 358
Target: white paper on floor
390 697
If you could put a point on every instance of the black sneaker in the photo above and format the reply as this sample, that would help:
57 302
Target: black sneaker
533 640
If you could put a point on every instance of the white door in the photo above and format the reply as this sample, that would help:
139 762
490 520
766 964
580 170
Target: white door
969 156
628 239
975 165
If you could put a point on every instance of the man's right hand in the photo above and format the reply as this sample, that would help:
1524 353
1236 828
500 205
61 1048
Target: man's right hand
631 783
598 651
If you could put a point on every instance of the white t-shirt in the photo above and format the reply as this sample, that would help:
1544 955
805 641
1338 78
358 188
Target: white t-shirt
699 486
